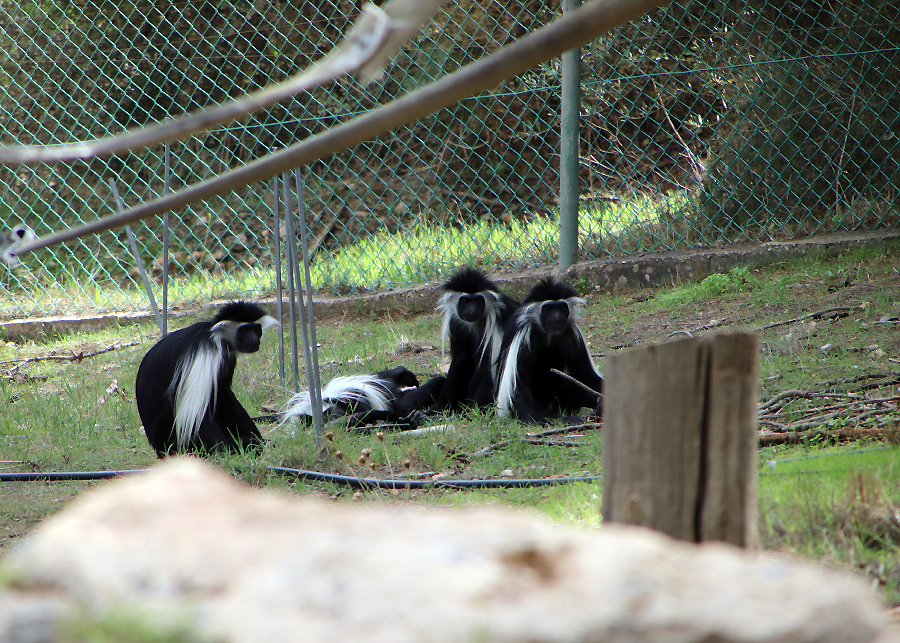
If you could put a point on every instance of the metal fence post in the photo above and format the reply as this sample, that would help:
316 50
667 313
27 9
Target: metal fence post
570 134
279 286
167 175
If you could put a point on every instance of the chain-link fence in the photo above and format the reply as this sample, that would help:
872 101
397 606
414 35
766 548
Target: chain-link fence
704 123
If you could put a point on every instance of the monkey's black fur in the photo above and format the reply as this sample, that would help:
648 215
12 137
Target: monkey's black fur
183 386
391 395
544 335
475 314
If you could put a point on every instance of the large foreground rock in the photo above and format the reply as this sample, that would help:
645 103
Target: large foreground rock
186 546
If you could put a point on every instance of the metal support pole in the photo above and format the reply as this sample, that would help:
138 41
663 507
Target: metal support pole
137 259
291 241
570 134
279 304
290 246
167 173
315 384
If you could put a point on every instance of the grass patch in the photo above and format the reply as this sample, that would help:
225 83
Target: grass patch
836 508
128 626
376 262
840 505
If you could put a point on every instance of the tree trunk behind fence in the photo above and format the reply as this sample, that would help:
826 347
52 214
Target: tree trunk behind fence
680 437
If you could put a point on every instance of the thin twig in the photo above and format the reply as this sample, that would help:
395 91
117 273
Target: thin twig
574 381
695 162
830 407
552 443
815 315
838 170
811 422
843 434
566 429
74 357
690 333
779 409
798 393
490 448
536 438
857 378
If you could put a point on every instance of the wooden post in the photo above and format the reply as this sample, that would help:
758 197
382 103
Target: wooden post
680 438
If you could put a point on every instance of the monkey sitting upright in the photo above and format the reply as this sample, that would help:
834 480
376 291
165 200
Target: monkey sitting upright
183 386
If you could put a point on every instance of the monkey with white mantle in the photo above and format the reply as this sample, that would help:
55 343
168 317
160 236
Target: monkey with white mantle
183 386
546 367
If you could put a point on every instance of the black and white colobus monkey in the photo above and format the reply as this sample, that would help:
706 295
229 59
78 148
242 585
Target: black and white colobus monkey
392 395
10 242
475 314
544 335
183 387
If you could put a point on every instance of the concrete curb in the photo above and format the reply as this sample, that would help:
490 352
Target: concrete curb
639 271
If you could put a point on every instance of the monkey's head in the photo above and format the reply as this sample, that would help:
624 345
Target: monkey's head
470 287
240 324
557 303
401 376
11 241
554 316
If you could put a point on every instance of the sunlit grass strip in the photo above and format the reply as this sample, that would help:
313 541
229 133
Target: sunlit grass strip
430 252
384 260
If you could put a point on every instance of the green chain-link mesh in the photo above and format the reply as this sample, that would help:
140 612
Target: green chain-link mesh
703 123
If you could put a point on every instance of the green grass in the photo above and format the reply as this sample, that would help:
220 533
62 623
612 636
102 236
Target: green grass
128 625
836 508
380 261
840 505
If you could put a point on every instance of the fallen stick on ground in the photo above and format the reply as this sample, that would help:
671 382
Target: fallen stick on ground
74 357
816 315
537 438
837 435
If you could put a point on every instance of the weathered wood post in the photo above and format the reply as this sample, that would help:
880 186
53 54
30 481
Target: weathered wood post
679 451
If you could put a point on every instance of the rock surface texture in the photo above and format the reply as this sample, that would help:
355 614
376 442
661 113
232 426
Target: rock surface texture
185 544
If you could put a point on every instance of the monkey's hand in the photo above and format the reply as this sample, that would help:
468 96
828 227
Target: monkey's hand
598 410
414 420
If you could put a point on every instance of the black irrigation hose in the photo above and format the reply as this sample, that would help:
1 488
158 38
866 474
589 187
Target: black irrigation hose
63 476
318 476
366 483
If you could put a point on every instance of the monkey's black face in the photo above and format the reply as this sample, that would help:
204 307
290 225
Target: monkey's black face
554 316
247 338
242 338
470 308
